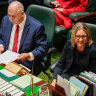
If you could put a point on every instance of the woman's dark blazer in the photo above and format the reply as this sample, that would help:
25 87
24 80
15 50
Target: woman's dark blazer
67 56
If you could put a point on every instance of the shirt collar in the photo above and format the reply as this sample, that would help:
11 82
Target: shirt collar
23 22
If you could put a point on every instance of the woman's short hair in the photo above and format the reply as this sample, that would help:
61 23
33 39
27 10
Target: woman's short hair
85 28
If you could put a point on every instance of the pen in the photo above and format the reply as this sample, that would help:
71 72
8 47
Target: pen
43 84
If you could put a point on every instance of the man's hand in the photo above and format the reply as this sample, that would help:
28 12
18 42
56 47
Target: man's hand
1 49
55 3
23 56
59 9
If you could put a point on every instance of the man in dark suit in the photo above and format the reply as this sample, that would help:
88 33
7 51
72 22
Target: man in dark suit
32 41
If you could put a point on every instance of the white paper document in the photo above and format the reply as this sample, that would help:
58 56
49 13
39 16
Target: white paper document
7 73
7 57
25 67
66 85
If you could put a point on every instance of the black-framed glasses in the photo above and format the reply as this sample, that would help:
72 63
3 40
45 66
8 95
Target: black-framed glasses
83 36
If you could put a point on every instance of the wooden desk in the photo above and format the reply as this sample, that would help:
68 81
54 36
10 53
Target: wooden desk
42 82
50 87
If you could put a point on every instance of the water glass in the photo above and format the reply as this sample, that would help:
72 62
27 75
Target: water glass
43 91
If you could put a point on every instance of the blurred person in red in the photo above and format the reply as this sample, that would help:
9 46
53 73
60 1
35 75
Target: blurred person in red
64 7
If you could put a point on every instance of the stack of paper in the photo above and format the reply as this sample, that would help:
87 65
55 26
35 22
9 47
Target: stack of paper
83 87
7 57
64 84
75 90
69 88
90 75
24 81
90 79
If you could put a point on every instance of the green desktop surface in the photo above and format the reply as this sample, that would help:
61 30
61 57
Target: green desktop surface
27 92
1 67
8 78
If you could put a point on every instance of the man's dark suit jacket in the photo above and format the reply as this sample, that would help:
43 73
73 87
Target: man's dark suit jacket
88 57
33 40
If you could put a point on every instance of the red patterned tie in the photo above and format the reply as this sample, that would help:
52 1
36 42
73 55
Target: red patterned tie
15 43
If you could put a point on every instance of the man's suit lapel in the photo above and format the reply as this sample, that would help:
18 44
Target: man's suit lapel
8 35
25 31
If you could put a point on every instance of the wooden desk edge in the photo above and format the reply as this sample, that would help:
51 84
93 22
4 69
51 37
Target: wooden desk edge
50 87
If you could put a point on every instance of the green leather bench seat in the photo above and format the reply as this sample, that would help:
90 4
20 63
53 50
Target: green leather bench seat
74 15
60 30
93 31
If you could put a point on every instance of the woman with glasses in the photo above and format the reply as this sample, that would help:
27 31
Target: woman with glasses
79 54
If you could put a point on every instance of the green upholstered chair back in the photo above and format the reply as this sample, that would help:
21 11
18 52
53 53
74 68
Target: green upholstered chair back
46 17
47 2
92 30
91 7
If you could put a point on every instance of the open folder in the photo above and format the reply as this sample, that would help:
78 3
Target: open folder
69 88
83 87
24 81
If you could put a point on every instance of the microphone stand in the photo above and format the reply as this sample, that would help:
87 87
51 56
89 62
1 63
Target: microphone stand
32 79
31 82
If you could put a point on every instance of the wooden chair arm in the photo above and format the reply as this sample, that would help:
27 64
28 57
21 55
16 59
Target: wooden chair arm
90 18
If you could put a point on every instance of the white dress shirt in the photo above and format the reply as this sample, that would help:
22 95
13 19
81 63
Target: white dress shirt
21 27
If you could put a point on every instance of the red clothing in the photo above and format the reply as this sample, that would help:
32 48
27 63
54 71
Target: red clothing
69 6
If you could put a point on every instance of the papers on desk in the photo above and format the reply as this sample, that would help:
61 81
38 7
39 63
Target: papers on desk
7 87
8 56
25 67
7 73
24 81
64 84
73 87
83 87
90 79
69 88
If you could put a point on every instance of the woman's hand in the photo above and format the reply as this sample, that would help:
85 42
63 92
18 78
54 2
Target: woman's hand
59 9
53 83
55 3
